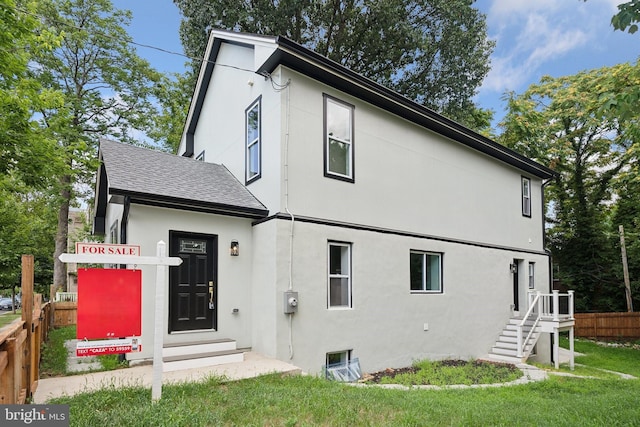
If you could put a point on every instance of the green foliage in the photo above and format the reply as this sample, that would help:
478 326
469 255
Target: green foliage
7 319
444 373
54 353
27 226
627 17
174 95
560 122
111 362
433 51
609 356
107 91
307 400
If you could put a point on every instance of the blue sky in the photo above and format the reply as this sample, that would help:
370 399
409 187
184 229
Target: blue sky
533 38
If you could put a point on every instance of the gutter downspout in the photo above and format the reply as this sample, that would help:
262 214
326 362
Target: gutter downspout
124 222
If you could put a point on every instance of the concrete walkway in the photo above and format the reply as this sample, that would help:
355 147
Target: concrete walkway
254 365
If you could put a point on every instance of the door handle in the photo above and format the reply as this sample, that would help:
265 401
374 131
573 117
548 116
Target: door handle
211 306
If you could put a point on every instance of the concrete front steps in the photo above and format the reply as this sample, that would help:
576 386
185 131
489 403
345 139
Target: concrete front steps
200 354
505 349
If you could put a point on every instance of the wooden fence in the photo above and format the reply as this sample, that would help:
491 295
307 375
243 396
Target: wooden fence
608 326
21 341
65 313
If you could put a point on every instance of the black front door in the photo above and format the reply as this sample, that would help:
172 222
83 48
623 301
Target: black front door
192 285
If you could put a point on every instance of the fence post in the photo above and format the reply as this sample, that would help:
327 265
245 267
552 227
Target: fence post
27 315
556 305
571 308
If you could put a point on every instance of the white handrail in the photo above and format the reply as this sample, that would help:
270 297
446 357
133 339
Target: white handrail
549 308
535 301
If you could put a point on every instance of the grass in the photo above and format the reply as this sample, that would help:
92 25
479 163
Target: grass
618 359
448 372
274 400
8 318
55 355
303 400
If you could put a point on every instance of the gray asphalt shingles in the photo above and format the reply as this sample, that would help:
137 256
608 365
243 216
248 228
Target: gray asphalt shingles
143 171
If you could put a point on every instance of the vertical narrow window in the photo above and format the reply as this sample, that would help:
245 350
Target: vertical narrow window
113 232
253 156
531 275
339 292
425 272
526 197
338 140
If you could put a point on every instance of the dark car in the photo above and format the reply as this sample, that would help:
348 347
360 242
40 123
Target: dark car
5 304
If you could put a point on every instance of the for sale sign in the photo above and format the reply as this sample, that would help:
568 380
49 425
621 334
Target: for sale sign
88 248
104 347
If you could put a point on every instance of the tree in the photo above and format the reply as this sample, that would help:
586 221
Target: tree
173 95
27 152
627 17
560 123
433 51
107 91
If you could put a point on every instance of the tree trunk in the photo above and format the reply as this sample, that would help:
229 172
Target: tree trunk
59 268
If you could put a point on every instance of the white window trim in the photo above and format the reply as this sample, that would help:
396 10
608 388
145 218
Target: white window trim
424 254
328 173
526 197
257 141
532 275
339 276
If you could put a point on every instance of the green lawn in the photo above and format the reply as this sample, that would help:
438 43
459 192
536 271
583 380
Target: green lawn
6 319
303 400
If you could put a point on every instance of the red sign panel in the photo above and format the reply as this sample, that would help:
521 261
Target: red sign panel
109 303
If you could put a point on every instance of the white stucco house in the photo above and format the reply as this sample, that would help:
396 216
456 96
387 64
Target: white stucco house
399 234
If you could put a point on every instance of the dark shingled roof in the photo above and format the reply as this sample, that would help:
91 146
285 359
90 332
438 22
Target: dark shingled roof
163 179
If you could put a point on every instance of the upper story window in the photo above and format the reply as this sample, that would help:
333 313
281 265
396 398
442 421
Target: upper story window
339 292
200 156
253 139
526 197
338 139
426 271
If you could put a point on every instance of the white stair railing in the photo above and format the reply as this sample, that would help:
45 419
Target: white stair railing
521 344
543 306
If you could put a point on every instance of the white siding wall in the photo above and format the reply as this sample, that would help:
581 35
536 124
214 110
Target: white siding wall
114 213
221 127
406 178
148 225
385 327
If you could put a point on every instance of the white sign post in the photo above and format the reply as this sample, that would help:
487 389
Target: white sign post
100 253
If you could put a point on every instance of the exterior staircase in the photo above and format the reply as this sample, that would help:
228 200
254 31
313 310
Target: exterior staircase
200 354
506 347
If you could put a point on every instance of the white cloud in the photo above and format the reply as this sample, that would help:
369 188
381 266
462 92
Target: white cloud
533 35
501 9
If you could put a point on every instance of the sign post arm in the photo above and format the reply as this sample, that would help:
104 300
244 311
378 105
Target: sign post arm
161 273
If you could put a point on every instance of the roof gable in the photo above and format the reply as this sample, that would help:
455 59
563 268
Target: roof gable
295 56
